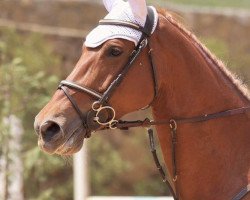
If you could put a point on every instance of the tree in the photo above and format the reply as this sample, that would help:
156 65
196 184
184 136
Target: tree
26 83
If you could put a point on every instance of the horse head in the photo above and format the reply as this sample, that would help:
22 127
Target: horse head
113 77
192 90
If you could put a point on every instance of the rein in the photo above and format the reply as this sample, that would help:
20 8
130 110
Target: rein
173 125
94 119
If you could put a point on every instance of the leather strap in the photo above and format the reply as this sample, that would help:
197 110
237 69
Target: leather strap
107 94
154 75
158 165
242 193
149 24
207 117
80 88
173 123
142 43
146 122
73 102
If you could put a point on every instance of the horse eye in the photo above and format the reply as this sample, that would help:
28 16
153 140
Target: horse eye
114 52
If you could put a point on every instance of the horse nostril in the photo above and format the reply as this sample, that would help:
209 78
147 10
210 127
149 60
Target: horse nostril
48 130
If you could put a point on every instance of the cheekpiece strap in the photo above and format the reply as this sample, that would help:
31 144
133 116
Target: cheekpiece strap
149 25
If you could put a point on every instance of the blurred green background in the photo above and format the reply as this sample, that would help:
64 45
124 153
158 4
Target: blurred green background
32 64
212 3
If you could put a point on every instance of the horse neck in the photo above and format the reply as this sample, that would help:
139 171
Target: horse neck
189 77
191 84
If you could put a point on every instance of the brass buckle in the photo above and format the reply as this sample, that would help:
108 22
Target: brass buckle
173 125
96 106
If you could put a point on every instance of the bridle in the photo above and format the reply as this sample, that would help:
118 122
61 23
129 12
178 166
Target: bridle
94 119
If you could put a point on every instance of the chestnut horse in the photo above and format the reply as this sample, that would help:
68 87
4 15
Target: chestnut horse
212 156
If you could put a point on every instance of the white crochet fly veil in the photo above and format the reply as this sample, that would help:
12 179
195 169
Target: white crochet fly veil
134 11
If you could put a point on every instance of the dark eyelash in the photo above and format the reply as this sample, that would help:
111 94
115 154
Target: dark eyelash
114 52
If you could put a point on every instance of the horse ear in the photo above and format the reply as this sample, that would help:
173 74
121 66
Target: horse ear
139 9
109 4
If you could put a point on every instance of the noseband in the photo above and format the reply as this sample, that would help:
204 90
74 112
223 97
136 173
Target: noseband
94 118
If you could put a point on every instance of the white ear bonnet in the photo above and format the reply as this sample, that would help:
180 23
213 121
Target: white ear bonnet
134 11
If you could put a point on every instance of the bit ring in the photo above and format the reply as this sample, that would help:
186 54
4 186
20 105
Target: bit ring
96 106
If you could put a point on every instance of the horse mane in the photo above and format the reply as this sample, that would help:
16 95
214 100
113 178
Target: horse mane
238 83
